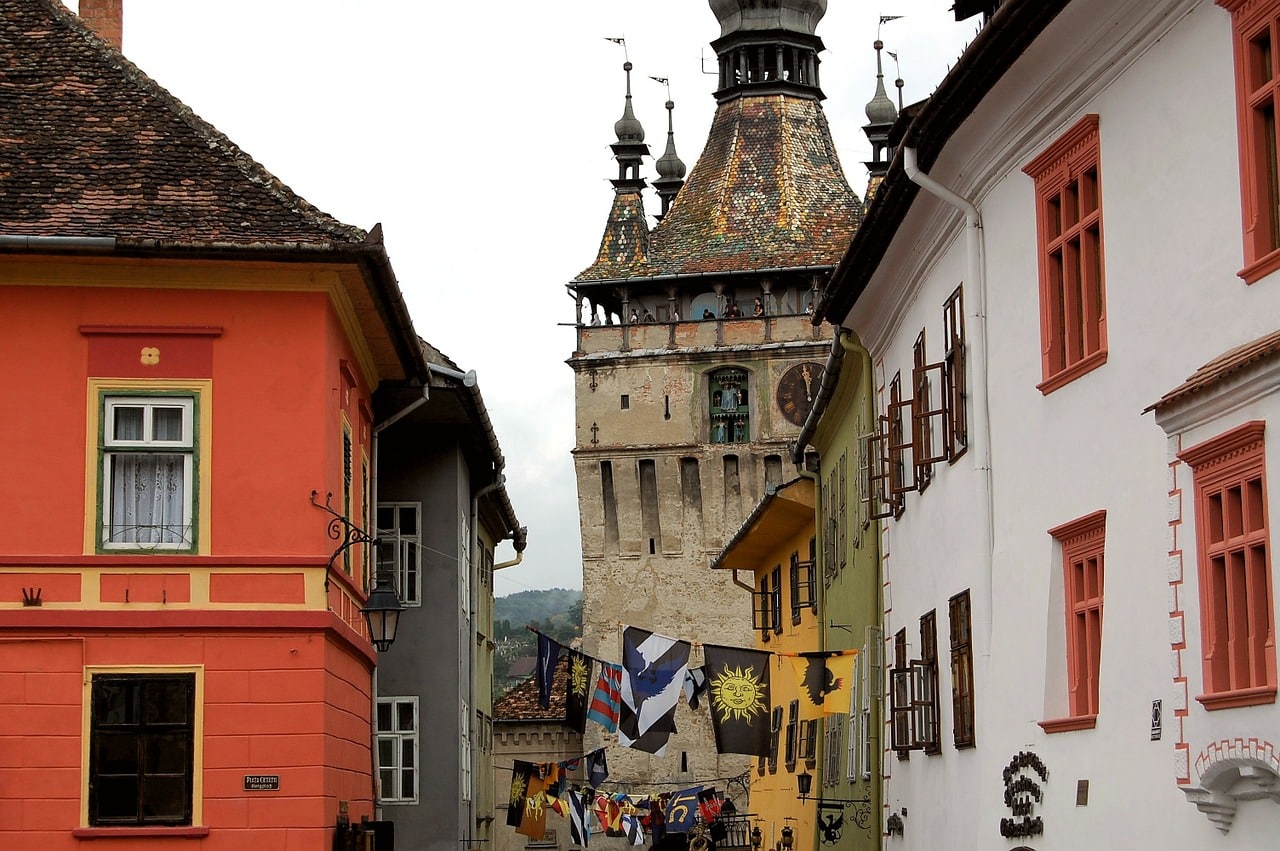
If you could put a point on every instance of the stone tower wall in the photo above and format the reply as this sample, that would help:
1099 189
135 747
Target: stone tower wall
651 569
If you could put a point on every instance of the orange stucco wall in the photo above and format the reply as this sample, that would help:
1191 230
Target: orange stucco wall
284 671
275 395
291 704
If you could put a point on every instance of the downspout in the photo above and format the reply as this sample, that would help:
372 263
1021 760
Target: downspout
981 411
373 500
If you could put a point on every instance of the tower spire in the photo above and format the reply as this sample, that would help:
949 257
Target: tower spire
630 148
767 47
881 113
670 167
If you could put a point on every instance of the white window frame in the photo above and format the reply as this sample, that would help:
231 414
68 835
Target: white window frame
467 752
399 739
407 550
114 448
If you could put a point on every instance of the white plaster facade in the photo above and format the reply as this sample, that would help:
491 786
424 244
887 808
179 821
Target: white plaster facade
1160 76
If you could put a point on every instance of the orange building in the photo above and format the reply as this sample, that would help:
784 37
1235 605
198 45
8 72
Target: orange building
190 352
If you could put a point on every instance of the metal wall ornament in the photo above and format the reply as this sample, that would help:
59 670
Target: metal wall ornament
1022 793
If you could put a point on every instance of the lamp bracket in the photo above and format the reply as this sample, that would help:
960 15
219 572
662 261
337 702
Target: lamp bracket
340 529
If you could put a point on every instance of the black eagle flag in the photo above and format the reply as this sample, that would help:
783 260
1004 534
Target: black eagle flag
577 696
740 700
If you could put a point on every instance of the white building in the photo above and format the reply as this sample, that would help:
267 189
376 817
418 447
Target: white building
1082 252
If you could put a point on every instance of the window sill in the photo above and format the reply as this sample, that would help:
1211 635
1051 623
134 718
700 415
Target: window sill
1260 268
1063 377
1238 697
1066 725
140 832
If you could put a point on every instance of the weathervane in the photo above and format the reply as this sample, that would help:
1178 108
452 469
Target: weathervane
623 42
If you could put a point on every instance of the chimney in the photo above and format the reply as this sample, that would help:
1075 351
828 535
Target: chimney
106 18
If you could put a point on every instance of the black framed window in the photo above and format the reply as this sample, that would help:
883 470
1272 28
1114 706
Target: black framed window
141 749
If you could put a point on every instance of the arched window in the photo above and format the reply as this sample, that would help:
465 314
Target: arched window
730 420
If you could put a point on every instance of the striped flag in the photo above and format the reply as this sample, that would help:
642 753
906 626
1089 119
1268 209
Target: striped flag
604 703
632 827
579 824
654 667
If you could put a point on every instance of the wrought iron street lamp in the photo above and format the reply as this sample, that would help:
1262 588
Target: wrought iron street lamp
382 612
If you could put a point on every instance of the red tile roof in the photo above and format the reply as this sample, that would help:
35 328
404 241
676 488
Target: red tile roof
521 703
91 146
1221 367
767 193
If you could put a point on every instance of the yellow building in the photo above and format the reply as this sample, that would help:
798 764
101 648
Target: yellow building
773 555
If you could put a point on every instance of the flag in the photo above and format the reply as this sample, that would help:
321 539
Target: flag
579 824
682 810
604 703
631 826
533 823
827 679
597 768
709 804
548 653
575 704
520 773
695 685
654 667
884 19
740 699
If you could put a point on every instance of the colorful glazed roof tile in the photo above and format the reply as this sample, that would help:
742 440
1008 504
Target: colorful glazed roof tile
624 247
767 193
91 146
1221 367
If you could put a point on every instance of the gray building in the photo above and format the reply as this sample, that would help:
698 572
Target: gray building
442 511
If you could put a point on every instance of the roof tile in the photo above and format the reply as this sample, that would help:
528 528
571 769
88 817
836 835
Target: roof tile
91 146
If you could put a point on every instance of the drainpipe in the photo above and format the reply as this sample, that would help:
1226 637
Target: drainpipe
978 314
373 500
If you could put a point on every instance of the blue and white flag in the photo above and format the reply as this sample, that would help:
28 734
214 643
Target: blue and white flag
548 653
695 685
597 768
632 827
653 677
579 824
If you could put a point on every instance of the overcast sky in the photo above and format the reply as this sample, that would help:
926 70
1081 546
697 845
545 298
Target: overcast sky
477 134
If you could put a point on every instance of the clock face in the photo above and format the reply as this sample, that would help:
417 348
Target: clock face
797 390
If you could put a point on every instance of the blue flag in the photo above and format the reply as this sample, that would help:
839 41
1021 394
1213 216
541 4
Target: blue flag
682 810
597 768
548 653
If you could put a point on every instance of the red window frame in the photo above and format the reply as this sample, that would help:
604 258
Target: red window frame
1256 38
1073 316
1237 605
1083 573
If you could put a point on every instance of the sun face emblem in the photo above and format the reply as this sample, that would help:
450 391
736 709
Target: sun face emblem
578 676
737 693
517 790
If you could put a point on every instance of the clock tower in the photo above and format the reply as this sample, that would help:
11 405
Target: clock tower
695 361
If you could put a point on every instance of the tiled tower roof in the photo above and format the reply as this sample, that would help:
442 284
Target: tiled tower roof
624 248
767 193
91 146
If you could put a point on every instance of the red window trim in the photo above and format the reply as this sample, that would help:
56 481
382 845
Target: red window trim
1248 17
1068 724
1221 460
1081 537
1053 170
